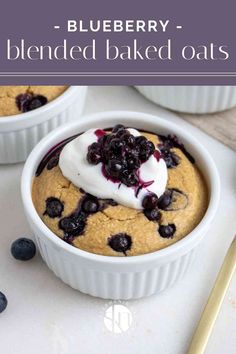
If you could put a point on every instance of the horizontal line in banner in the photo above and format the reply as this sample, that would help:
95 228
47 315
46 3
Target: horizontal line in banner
117 73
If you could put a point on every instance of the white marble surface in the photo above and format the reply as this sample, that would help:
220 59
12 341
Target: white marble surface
44 316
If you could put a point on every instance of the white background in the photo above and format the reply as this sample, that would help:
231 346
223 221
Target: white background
45 316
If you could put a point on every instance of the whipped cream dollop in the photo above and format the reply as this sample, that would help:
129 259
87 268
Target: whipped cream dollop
75 167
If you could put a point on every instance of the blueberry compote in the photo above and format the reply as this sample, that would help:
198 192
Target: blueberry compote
121 155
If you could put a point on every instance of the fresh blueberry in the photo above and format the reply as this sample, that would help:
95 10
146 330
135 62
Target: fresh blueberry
54 207
23 249
3 302
150 201
120 242
167 231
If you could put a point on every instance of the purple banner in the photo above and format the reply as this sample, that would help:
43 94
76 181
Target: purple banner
106 42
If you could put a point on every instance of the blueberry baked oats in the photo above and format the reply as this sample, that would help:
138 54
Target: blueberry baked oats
119 192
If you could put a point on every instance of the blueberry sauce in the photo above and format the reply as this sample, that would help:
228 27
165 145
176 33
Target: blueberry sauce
157 155
167 143
99 133
142 183
109 178
52 157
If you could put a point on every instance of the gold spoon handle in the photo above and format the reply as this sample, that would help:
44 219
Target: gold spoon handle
209 315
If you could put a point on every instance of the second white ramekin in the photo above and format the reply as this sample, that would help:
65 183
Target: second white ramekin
192 99
21 132
119 277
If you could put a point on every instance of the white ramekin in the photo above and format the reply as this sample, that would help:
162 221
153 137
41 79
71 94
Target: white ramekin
20 133
192 99
119 277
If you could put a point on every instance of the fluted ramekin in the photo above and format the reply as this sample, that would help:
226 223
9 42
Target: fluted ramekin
119 277
192 99
20 133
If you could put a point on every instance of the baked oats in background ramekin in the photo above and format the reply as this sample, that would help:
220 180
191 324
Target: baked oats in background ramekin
28 113
191 99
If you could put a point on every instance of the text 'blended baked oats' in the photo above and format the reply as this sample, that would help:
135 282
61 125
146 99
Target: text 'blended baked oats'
119 193
21 99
